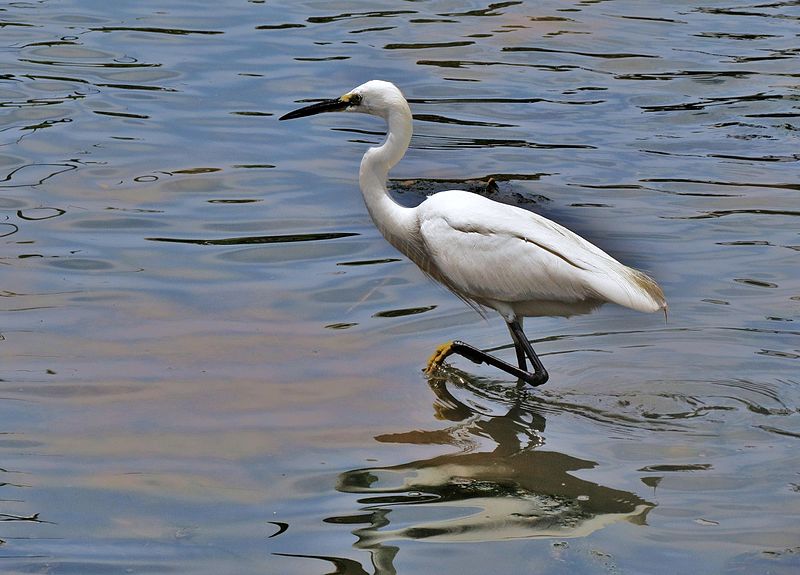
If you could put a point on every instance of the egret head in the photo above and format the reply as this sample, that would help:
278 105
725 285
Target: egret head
375 97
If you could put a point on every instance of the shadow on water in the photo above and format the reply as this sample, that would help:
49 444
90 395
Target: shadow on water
499 486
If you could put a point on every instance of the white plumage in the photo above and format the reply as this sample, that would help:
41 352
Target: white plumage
503 257
489 254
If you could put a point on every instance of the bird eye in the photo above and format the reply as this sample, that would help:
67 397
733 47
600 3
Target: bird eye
355 99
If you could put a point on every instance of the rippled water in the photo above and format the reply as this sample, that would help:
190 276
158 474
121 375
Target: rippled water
211 361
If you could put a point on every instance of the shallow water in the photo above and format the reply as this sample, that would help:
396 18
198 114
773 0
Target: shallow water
211 361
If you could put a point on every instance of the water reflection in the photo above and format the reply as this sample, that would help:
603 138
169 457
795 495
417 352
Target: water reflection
499 485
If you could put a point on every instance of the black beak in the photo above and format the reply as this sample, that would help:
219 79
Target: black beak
335 105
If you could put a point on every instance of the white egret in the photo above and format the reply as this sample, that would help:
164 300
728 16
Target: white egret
489 254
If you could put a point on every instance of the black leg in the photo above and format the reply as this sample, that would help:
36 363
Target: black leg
538 377
479 356
523 365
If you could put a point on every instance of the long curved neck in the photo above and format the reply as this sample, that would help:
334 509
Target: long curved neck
395 222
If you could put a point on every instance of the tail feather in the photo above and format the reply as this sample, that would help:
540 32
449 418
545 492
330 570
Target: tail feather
630 288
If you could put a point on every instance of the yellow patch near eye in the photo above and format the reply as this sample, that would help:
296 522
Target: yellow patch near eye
346 98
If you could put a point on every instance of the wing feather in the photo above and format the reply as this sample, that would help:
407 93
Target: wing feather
488 252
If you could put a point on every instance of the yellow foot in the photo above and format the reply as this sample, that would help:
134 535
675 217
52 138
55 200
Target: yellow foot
438 357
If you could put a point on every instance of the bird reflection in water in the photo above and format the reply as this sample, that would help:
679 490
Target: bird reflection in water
499 486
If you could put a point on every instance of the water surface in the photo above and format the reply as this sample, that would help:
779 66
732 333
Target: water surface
211 361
